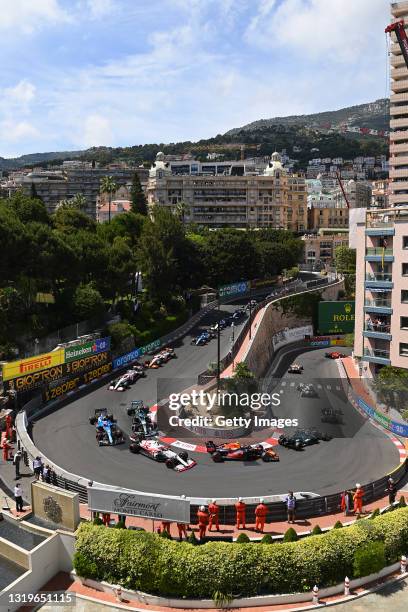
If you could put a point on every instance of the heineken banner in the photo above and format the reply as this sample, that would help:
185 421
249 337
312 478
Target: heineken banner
336 317
87 349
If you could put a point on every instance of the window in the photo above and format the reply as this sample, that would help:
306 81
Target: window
405 269
403 349
405 242
404 322
404 296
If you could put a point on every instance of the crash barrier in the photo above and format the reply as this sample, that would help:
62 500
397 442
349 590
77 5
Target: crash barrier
288 291
397 428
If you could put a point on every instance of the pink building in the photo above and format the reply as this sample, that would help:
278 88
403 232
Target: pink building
117 208
381 329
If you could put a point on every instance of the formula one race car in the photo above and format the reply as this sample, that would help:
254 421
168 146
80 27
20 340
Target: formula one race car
163 454
335 355
295 368
167 354
332 415
107 431
307 390
201 339
298 440
320 435
120 384
155 362
234 451
142 423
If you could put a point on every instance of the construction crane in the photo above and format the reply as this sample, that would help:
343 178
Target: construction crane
342 189
399 30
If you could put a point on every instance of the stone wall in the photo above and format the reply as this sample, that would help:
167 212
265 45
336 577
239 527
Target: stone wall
260 350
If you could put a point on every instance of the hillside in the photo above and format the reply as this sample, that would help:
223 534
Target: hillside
374 115
334 133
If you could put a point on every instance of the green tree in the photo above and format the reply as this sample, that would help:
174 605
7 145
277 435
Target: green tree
70 220
391 384
138 197
88 302
108 186
182 210
345 260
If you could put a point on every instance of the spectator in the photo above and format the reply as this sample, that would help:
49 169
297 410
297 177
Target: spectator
240 510
182 529
358 499
290 506
166 526
203 520
261 512
391 490
214 511
18 496
16 463
37 467
6 449
46 474
106 517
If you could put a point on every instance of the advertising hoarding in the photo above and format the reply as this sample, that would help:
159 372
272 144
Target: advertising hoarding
233 289
88 348
133 503
33 365
336 317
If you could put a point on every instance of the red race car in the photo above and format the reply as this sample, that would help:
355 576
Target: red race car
335 355
234 451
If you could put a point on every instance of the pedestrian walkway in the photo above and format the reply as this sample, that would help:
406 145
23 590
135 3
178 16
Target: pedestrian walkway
278 528
387 597
229 371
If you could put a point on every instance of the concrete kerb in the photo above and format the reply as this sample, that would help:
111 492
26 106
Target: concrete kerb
249 602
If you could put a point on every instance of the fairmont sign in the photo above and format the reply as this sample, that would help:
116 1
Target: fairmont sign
133 503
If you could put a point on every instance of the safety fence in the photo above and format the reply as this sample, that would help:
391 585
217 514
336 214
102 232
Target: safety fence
307 506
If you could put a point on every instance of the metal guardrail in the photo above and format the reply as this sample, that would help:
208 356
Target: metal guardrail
305 508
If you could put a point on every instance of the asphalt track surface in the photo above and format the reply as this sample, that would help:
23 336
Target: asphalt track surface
358 452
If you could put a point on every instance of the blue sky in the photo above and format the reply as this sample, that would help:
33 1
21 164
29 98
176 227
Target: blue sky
79 73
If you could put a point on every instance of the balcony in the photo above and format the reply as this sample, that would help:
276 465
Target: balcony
379 281
402 97
398 173
399 86
399 148
398 135
376 356
379 306
399 73
379 254
399 9
381 331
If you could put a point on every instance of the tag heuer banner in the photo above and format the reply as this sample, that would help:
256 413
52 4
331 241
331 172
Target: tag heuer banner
336 317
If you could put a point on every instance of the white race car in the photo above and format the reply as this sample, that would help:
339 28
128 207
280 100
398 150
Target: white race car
163 454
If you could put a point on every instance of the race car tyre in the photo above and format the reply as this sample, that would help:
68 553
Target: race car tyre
267 458
92 420
99 435
183 455
298 445
217 457
130 411
171 463
134 448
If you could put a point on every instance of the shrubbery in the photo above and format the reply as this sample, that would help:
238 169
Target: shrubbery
152 564
369 559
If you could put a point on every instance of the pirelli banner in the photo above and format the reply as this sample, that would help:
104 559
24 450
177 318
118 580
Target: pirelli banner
61 365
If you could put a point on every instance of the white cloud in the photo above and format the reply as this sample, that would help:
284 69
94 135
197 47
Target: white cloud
27 15
96 131
18 131
332 30
22 93
100 8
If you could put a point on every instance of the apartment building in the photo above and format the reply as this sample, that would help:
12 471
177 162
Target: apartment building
275 198
381 331
319 249
398 163
54 186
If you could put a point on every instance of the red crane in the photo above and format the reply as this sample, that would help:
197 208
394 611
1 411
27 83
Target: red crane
342 189
399 28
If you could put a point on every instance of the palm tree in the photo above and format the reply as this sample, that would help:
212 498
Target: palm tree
108 186
182 210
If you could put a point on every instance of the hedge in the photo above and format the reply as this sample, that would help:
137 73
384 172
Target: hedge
144 561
